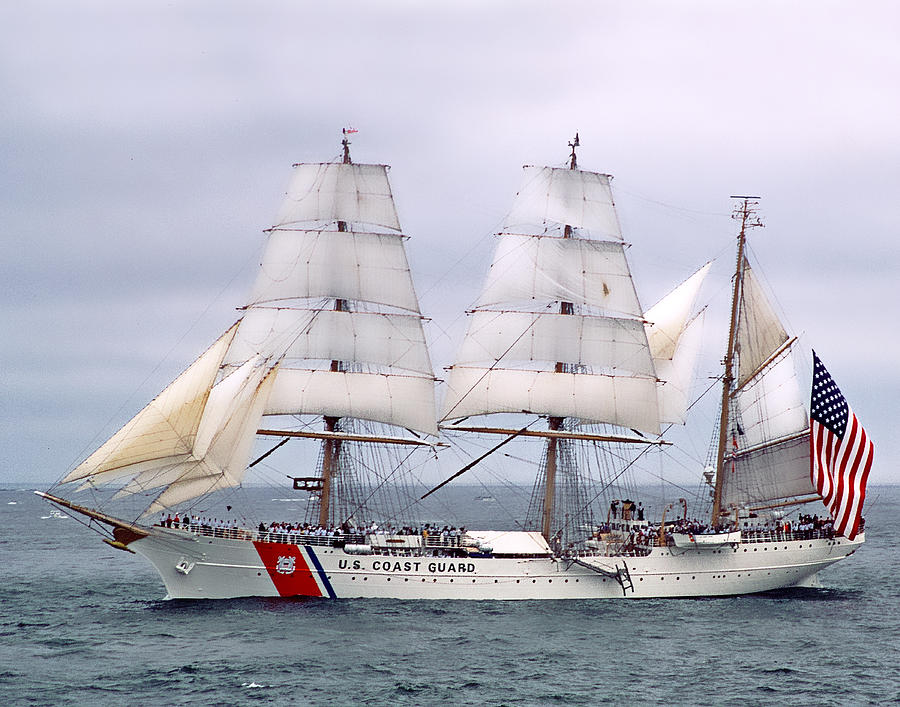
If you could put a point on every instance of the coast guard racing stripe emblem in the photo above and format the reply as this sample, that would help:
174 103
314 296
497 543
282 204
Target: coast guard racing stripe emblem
288 570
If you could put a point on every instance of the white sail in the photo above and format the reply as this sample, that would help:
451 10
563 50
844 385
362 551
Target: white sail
359 193
366 267
604 343
674 340
229 396
164 429
676 374
760 333
768 474
668 318
405 401
391 340
772 405
545 269
568 197
767 456
619 400
224 462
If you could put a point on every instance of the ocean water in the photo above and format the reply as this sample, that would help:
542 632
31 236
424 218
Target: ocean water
84 624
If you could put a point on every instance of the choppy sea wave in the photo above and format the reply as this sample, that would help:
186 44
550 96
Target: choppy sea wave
82 623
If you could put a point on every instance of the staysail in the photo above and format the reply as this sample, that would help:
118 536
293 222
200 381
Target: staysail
332 328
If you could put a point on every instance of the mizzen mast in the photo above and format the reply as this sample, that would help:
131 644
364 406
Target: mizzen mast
747 213
332 447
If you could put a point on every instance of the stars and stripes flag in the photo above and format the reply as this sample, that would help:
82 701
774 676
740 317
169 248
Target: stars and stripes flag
840 452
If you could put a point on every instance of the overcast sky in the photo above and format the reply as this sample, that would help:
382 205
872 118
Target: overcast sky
145 146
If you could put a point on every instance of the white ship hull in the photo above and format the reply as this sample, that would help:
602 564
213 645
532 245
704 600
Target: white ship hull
202 567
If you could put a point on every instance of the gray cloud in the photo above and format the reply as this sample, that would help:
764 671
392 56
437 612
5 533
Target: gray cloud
146 146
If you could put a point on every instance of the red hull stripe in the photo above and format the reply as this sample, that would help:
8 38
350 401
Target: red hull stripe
288 569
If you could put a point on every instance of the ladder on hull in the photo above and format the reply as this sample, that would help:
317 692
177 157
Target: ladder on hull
620 574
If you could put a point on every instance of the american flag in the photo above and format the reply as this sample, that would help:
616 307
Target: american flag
841 452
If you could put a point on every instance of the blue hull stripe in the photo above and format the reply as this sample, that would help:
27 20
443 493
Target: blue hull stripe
322 575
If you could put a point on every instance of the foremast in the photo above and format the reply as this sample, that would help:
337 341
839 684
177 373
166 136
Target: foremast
554 423
331 447
336 261
331 329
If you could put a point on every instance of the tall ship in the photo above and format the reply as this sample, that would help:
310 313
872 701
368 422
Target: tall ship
559 361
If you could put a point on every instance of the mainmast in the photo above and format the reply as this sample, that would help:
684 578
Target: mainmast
332 447
555 423
746 212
